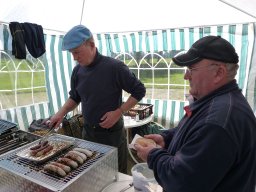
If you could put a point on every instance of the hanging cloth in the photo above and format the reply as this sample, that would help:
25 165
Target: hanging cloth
18 41
28 35
34 39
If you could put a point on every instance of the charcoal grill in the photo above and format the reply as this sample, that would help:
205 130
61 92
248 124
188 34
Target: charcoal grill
18 174
12 138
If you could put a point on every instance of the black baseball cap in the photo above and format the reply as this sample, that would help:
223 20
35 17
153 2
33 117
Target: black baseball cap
209 47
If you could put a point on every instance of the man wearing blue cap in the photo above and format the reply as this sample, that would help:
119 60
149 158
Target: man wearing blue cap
97 83
213 148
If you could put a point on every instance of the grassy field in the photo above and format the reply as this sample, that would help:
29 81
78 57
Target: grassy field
24 76
24 80
155 80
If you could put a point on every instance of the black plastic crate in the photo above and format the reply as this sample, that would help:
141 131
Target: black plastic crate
141 110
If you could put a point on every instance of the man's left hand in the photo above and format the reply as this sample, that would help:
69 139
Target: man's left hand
143 152
110 118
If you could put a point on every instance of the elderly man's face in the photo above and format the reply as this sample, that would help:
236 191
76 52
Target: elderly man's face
202 78
84 54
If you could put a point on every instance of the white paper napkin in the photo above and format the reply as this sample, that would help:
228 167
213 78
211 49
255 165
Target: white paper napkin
131 145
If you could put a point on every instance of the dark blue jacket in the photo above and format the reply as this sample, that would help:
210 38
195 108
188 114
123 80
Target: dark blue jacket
213 150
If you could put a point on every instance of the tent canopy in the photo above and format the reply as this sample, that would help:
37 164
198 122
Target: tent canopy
120 16
122 27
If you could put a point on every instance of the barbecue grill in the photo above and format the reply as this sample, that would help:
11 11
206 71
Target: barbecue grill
12 138
19 174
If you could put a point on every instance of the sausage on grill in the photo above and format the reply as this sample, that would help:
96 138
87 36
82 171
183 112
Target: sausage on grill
35 147
66 168
44 151
35 151
83 156
87 152
40 145
68 162
55 169
74 157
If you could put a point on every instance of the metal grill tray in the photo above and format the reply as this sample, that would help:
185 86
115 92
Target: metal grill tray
58 144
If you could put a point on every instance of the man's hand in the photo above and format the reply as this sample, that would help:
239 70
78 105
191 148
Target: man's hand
56 120
110 118
157 138
143 152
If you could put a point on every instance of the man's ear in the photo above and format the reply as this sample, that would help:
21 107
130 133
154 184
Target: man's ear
221 74
92 44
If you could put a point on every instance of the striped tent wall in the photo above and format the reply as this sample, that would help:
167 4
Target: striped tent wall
166 112
241 36
251 85
58 69
59 65
23 116
169 112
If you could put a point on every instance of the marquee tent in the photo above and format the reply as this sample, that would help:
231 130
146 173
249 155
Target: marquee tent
129 27
120 16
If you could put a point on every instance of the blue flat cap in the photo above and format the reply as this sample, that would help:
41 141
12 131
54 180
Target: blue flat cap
75 37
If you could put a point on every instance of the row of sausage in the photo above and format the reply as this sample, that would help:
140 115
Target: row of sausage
70 161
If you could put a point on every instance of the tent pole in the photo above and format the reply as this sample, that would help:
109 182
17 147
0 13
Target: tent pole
82 13
223 1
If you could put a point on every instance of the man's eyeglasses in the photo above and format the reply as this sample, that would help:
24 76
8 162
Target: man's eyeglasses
189 70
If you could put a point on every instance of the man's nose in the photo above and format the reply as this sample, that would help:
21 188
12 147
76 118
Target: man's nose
186 75
75 57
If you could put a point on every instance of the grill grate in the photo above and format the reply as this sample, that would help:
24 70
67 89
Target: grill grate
6 126
34 171
38 167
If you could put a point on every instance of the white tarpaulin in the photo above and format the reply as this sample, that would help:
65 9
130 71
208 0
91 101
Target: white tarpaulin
119 15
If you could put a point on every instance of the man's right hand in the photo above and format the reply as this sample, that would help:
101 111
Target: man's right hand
56 120
157 138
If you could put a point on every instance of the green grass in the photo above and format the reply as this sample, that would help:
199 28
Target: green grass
24 77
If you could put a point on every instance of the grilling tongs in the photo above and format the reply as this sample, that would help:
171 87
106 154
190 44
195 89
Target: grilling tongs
46 135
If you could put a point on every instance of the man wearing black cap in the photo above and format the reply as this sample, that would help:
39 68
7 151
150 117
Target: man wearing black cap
97 83
213 148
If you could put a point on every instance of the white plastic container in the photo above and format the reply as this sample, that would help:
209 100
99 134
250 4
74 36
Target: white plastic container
143 178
